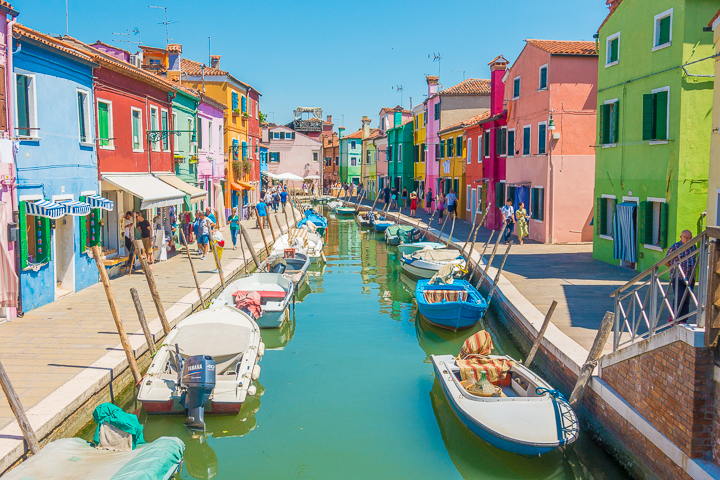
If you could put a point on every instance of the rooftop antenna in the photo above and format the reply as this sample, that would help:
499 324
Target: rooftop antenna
436 57
129 35
67 21
399 88
166 23
209 59
461 71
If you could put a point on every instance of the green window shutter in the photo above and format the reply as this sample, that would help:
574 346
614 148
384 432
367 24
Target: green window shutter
459 146
526 141
503 141
664 225
599 214
95 226
543 77
614 207
645 229
664 33
542 139
648 116
44 236
22 223
83 229
661 120
616 122
511 143
103 124
499 194
541 204
614 50
604 124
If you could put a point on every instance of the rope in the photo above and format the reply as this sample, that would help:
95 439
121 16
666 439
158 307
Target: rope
554 393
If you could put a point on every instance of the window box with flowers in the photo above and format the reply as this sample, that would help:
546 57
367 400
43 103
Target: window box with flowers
241 168
178 158
245 115
236 112
194 159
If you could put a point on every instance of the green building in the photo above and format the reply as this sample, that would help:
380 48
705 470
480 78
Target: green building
184 117
401 164
350 156
654 117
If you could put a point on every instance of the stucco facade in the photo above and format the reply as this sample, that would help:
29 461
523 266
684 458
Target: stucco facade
452 164
211 151
419 154
294 153
350 157
713 200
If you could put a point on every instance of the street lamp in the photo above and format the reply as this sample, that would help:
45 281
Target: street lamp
551 125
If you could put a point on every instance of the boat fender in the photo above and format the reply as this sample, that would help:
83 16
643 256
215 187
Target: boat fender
252 390
261 349
256 372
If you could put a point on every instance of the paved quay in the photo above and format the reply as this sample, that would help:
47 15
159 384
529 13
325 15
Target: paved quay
543 273
52 345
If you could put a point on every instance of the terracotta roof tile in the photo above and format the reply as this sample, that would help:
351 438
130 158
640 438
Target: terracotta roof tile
471 86
468 122
564 47
354 135
110 46
49 41
613 5
194 69
374 133
7 6
392 109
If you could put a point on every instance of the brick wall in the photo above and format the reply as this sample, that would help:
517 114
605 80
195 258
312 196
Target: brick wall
672 387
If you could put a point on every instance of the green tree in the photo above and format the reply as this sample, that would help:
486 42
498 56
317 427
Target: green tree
263 117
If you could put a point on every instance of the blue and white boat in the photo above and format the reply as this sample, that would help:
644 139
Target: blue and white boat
380 223
529 419
454 306
408 248
316 219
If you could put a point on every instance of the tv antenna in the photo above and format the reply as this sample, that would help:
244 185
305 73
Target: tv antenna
436 57
166 23
461 71
399 88
130 34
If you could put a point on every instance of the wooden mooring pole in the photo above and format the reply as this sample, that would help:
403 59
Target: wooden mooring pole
18 411
143 322
116 314
487 266
541 334
272 230
248 242
427 227
499 272
262 231
192 267
218 263
452 229
153 288
592 359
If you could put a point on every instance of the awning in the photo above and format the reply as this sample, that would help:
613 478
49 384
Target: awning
246 186
196 194
75 208
45 208
153 192
96 201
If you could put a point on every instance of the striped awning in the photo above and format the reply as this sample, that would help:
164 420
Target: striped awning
75 208
96 201
45 208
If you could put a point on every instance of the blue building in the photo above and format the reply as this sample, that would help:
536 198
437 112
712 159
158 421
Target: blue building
56 161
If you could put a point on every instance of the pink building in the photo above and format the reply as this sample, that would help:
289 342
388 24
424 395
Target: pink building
551 92
211 156
292 152
432 141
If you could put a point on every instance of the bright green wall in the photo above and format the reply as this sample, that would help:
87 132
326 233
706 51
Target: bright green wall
184 108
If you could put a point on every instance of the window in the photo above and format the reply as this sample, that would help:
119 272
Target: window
516 87
154 125
499 194
656 111
399 157
537 203
155 62
480 148
243 104
442 149
459 146
84 127
367 159
199 136
469 150
353 144
89 228
437 110
450 148
275 157
468 195
542 83
353 161
36 238
389 156
244 150
526 140
337 160
486 142
137 131
276 135
501 141
190 129
282 135
315 157
235 101
164 126
663 30
653 223
210 135
423 149
608 122
511 142
105 124
604 211
612 53
26 108
542 138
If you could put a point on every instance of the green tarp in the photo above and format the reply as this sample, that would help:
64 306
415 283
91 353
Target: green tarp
115 416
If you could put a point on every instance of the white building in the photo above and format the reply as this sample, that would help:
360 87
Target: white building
292 152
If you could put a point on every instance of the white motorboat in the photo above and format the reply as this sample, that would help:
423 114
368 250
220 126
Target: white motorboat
426 263
408 248
294 268
529 418
334 204
275 292
303 241
221 343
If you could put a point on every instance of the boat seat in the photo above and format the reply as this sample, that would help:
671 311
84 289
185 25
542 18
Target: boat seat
264 294
437 296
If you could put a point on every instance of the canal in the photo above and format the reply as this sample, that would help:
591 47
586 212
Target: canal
347 391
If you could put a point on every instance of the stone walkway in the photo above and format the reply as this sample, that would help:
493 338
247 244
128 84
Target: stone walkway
52 344
543 273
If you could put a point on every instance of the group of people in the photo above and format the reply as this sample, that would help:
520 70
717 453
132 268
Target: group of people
442 203
273 197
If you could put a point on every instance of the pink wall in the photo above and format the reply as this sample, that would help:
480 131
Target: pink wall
432 167
567 171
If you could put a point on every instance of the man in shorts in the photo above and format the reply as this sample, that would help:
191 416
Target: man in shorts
204 231
262 212
146 232
451 201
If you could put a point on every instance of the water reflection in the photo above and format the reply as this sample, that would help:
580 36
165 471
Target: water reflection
278 338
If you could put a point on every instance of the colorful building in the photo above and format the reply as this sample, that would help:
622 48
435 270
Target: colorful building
401 166
476 184
419 150
292 152
185 146
550 160
713 200
331 159
371 154
452 163
350 155
365 158
651 166
211 151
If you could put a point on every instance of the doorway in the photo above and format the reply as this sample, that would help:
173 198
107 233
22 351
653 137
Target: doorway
64 256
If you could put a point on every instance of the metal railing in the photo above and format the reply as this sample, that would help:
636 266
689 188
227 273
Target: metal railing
672 291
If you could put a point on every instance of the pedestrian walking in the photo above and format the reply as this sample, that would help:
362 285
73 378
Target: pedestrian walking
522 223
429 201
451 201
146 231
205 229
413 203
386 194
262 212
682 278
276 200
234 222
441 207
509 218
209 214
393 198
196 229
283 199
312 189
129 230
404 197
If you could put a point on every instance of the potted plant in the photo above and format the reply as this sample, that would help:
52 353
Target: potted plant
237 168
246 115
246 167
236 112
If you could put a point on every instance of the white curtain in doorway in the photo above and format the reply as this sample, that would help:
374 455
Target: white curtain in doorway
220 204
8 277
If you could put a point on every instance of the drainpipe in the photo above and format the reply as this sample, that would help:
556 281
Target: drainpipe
10 108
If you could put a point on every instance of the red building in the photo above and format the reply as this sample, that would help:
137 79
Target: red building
254 134
477 183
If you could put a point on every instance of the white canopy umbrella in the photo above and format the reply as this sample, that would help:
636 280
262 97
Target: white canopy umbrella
312 177
289 176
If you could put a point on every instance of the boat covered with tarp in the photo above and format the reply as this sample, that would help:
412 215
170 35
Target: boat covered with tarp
265 296
303 240
293 265
311 216
118 452
427 262
380 223
397 234
408 248
449 303
502 401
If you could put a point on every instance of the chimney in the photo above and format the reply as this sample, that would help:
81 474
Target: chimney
174 54
497 86
329 119
341 132
397 116
215 61
432 81
366 127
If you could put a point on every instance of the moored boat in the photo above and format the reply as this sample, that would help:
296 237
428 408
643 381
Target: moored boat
345 211
426 263
397 234
316 219
380 224
274 294
295 268
303 241
453 306
408 248
334 204
207 363
363 219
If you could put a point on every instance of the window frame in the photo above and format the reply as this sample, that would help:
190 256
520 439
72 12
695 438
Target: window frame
32 109
110 139
529 142
657 215
140 133
609 39
481 139
166 138
353 161
468 149
508 152
87 116
533 213
656 31
667 117
545 146
540 86
516 83
155 125
486 143
210 134
605 198
611 101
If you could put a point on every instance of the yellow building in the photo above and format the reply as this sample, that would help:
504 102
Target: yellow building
419 122
713 203
452 163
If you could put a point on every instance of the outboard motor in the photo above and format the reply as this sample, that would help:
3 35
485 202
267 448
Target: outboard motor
277 265
198 382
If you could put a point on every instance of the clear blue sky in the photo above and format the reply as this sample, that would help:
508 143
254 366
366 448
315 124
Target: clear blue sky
346 57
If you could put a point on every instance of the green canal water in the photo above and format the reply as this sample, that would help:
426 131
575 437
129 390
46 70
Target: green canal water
347 391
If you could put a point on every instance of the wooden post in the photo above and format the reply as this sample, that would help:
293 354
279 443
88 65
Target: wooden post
242 251
541 334
279 225
272 230
287 222
192 267
427 227
357 205
153 289
595 353
439 239
218 263
18 411
487 267
143 321
472 229
477 265
476 231
248 242
292 209
262 232
452 229
116 314
499 272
